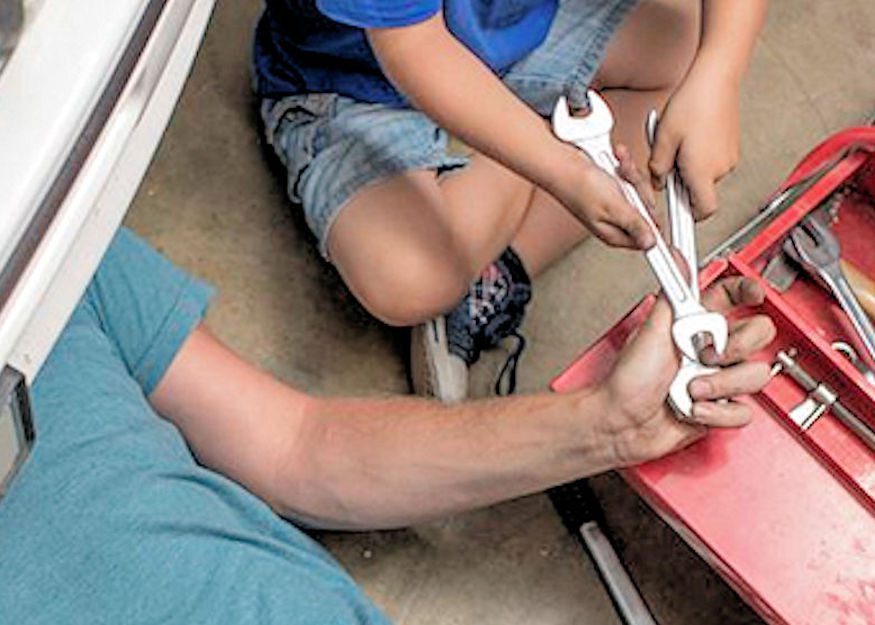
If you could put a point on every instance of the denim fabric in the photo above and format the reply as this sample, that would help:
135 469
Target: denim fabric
332 145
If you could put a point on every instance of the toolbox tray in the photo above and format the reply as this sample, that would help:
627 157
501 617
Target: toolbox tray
786 517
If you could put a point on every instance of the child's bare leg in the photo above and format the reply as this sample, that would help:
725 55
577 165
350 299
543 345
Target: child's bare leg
487 203
548 233
409 247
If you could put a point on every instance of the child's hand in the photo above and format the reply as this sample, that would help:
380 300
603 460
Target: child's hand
597 201
700 130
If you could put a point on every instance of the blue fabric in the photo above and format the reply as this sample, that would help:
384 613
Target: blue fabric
111 520
319 46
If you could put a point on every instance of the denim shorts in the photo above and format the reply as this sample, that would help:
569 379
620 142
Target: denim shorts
332 146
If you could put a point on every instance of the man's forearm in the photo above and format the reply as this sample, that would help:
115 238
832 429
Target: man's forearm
729 32
453 87
379 463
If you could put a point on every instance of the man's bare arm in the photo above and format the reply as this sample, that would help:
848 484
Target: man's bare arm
373 462
389 462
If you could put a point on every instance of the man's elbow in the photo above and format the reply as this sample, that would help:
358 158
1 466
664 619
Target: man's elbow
302 488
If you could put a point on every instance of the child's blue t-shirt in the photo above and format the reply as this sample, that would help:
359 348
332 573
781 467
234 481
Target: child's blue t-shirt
319 46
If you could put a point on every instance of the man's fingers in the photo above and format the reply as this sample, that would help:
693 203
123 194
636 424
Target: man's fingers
730 293
741 379
747 336
663 156
730 414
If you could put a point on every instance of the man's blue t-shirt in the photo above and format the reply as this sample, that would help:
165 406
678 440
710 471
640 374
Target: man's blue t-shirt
111 520
319 46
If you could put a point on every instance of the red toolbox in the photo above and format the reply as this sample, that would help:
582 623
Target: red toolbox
786 515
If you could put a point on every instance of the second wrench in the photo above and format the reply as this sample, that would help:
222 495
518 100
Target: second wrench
683 238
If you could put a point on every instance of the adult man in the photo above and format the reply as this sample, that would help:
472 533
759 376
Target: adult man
120 516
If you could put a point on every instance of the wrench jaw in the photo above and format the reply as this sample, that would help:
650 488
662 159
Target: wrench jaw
684 331
579 130
679 392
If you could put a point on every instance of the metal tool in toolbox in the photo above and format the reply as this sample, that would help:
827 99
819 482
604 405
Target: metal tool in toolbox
592 135
851 355
820 399
813 248
816 249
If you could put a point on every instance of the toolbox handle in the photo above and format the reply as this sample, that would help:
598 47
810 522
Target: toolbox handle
830 152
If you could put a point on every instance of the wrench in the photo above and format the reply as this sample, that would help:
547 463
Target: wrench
680 215
683 238
592 135
817 250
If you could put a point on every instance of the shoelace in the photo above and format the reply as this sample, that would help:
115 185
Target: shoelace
510 366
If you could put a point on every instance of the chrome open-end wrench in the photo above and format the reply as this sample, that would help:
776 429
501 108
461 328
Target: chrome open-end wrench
592 135
680 214
683 238
818 251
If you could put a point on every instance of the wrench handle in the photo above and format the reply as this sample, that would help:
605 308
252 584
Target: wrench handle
659 256
680 216
683 226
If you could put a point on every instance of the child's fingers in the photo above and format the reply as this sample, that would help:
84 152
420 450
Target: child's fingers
703 191
613 235
632 224
629 170
663 155
621 213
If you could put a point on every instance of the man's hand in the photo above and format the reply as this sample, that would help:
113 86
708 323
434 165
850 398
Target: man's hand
597 201
637 417
700 131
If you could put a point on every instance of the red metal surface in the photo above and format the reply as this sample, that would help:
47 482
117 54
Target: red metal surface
787 517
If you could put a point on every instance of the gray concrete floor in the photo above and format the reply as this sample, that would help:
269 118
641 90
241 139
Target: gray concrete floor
211 204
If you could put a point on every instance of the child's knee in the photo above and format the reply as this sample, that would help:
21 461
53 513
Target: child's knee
415 286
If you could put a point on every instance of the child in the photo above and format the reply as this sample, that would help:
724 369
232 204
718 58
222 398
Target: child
358 100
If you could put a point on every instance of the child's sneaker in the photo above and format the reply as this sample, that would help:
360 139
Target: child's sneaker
442 349
435 370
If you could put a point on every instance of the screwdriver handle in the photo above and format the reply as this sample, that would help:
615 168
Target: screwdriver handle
862 285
